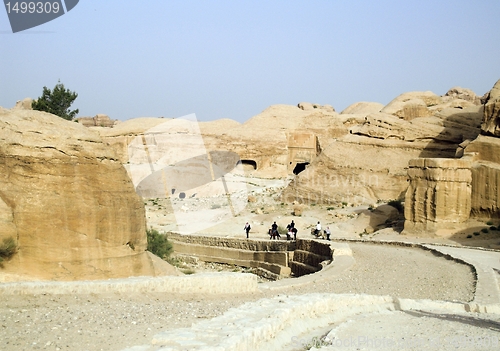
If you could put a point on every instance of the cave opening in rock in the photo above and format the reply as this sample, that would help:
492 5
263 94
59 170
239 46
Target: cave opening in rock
299 167
248 165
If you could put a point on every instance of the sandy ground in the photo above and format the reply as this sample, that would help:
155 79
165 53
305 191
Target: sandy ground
113 322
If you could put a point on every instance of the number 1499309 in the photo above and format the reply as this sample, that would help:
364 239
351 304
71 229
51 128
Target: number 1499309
32 7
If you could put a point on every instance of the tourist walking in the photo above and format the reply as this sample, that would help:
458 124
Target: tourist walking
247 228
327 232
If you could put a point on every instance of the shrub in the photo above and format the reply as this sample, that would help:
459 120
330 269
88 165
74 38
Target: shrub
188 271
7 249
493 228
476 233
282 230
484 230
397 205
469 236
489 223
158 243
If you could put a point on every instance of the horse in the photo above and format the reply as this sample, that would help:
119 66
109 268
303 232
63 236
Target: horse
317 234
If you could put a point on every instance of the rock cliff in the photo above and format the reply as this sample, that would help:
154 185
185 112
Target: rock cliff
491 119
370 161
68 203
446 193
358 156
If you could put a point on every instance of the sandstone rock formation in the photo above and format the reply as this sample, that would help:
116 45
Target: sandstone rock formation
272 143
307 106
99 120
67 202
369 163
445 193
485 155
439 194
463 94
363 108
358 156
491 120
24 104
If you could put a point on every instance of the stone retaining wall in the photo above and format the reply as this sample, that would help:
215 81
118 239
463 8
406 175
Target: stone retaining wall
309 255
276 256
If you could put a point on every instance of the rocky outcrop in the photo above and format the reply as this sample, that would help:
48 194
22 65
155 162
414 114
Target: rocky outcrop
444 193
485 154
273 142
491 118
99 120
370 163
24 104
68 203
358 156
307 106
363 108
462 94
439 194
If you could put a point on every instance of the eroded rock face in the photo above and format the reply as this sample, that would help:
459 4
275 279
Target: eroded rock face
99 120
67 202
491 118
485 153
439 194
370 162
358 156
463 94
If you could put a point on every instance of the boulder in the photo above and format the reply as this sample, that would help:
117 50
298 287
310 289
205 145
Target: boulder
24 104
463 94
67 202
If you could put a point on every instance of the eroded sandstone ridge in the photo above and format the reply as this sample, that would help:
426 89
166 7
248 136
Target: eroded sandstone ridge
359 156
68 203
491 100
369 161
445 193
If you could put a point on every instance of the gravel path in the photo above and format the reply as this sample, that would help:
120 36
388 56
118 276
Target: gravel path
115 321
400 271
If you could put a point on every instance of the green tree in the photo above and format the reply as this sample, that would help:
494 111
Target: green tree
158 244
57 101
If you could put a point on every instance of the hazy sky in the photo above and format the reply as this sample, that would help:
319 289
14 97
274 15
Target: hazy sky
233 59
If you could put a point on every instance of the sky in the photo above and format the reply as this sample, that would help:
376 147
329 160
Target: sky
233 59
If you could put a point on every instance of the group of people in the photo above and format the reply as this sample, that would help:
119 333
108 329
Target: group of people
291 231
317 231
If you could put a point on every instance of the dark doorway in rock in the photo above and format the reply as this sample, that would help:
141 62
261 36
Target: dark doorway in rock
248 165
299 167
